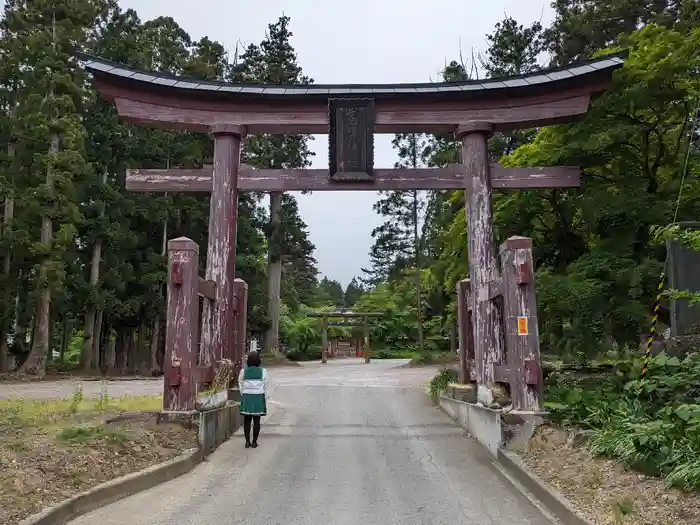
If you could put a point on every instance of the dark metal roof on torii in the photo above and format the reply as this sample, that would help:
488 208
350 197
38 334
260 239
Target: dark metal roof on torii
579 74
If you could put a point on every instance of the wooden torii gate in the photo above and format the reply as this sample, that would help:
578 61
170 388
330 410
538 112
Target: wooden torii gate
350 320
351 115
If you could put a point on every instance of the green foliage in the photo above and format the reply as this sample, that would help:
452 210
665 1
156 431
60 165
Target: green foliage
87 199
443 378
652 425
300 332
353 292
76 400
397 330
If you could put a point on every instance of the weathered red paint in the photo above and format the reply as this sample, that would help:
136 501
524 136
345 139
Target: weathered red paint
176 274
144 106
207 289
483 266
276 180
466 334
472 111
525 374
218 316
181 326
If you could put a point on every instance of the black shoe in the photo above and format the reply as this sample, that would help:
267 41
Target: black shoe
255 444
247 444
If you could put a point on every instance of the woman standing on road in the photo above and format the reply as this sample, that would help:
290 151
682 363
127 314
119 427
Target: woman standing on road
252 382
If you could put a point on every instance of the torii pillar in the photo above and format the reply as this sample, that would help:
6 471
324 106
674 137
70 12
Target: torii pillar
218 318
487 324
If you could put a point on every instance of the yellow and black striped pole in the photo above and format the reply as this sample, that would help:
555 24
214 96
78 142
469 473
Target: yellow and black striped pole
652 330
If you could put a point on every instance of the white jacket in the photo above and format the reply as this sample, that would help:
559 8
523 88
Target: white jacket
252 386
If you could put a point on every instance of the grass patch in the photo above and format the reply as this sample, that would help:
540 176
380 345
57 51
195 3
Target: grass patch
37 413
88 433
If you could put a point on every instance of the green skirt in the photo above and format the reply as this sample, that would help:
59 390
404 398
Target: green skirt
253 404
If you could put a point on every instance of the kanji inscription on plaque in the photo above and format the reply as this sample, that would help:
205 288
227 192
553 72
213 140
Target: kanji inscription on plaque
351 139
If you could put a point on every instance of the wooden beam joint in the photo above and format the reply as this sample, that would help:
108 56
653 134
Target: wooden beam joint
207 288
496 288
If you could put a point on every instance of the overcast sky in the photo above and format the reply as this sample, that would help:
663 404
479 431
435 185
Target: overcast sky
352 41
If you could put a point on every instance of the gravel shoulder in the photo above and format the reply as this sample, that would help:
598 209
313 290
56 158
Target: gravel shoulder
53 449
602 490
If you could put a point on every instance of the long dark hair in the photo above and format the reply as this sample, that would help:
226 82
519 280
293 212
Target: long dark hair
254 359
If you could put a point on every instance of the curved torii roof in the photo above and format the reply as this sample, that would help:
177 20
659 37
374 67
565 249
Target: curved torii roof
540 98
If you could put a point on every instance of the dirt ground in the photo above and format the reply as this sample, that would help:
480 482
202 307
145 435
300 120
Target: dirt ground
53 449
602 490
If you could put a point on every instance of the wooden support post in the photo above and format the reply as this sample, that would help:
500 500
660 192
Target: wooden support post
365 330
324 340
483 266
218 318
240 308
180 360
466 334
522 371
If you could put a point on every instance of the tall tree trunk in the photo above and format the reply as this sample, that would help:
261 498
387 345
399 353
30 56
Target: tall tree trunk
87 356
7 261
36 361
155 340
131 352
6 268
274 274
110 363
66 334
122 349
97 339
143 349
19 328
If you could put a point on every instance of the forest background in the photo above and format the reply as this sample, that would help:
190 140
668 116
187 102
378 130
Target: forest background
83 266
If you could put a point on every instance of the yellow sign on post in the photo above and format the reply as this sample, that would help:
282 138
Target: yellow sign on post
522 326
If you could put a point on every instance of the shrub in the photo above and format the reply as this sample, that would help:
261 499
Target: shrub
651 425
443 378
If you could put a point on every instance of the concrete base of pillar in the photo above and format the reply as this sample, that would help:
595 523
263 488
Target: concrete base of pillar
494 429
460 392
518 426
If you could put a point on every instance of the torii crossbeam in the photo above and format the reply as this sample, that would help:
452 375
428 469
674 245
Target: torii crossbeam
268 180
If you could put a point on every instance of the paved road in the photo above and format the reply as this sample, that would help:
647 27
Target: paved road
344 444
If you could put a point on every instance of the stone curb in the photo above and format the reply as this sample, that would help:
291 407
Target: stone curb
114 490
511 467
548 501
